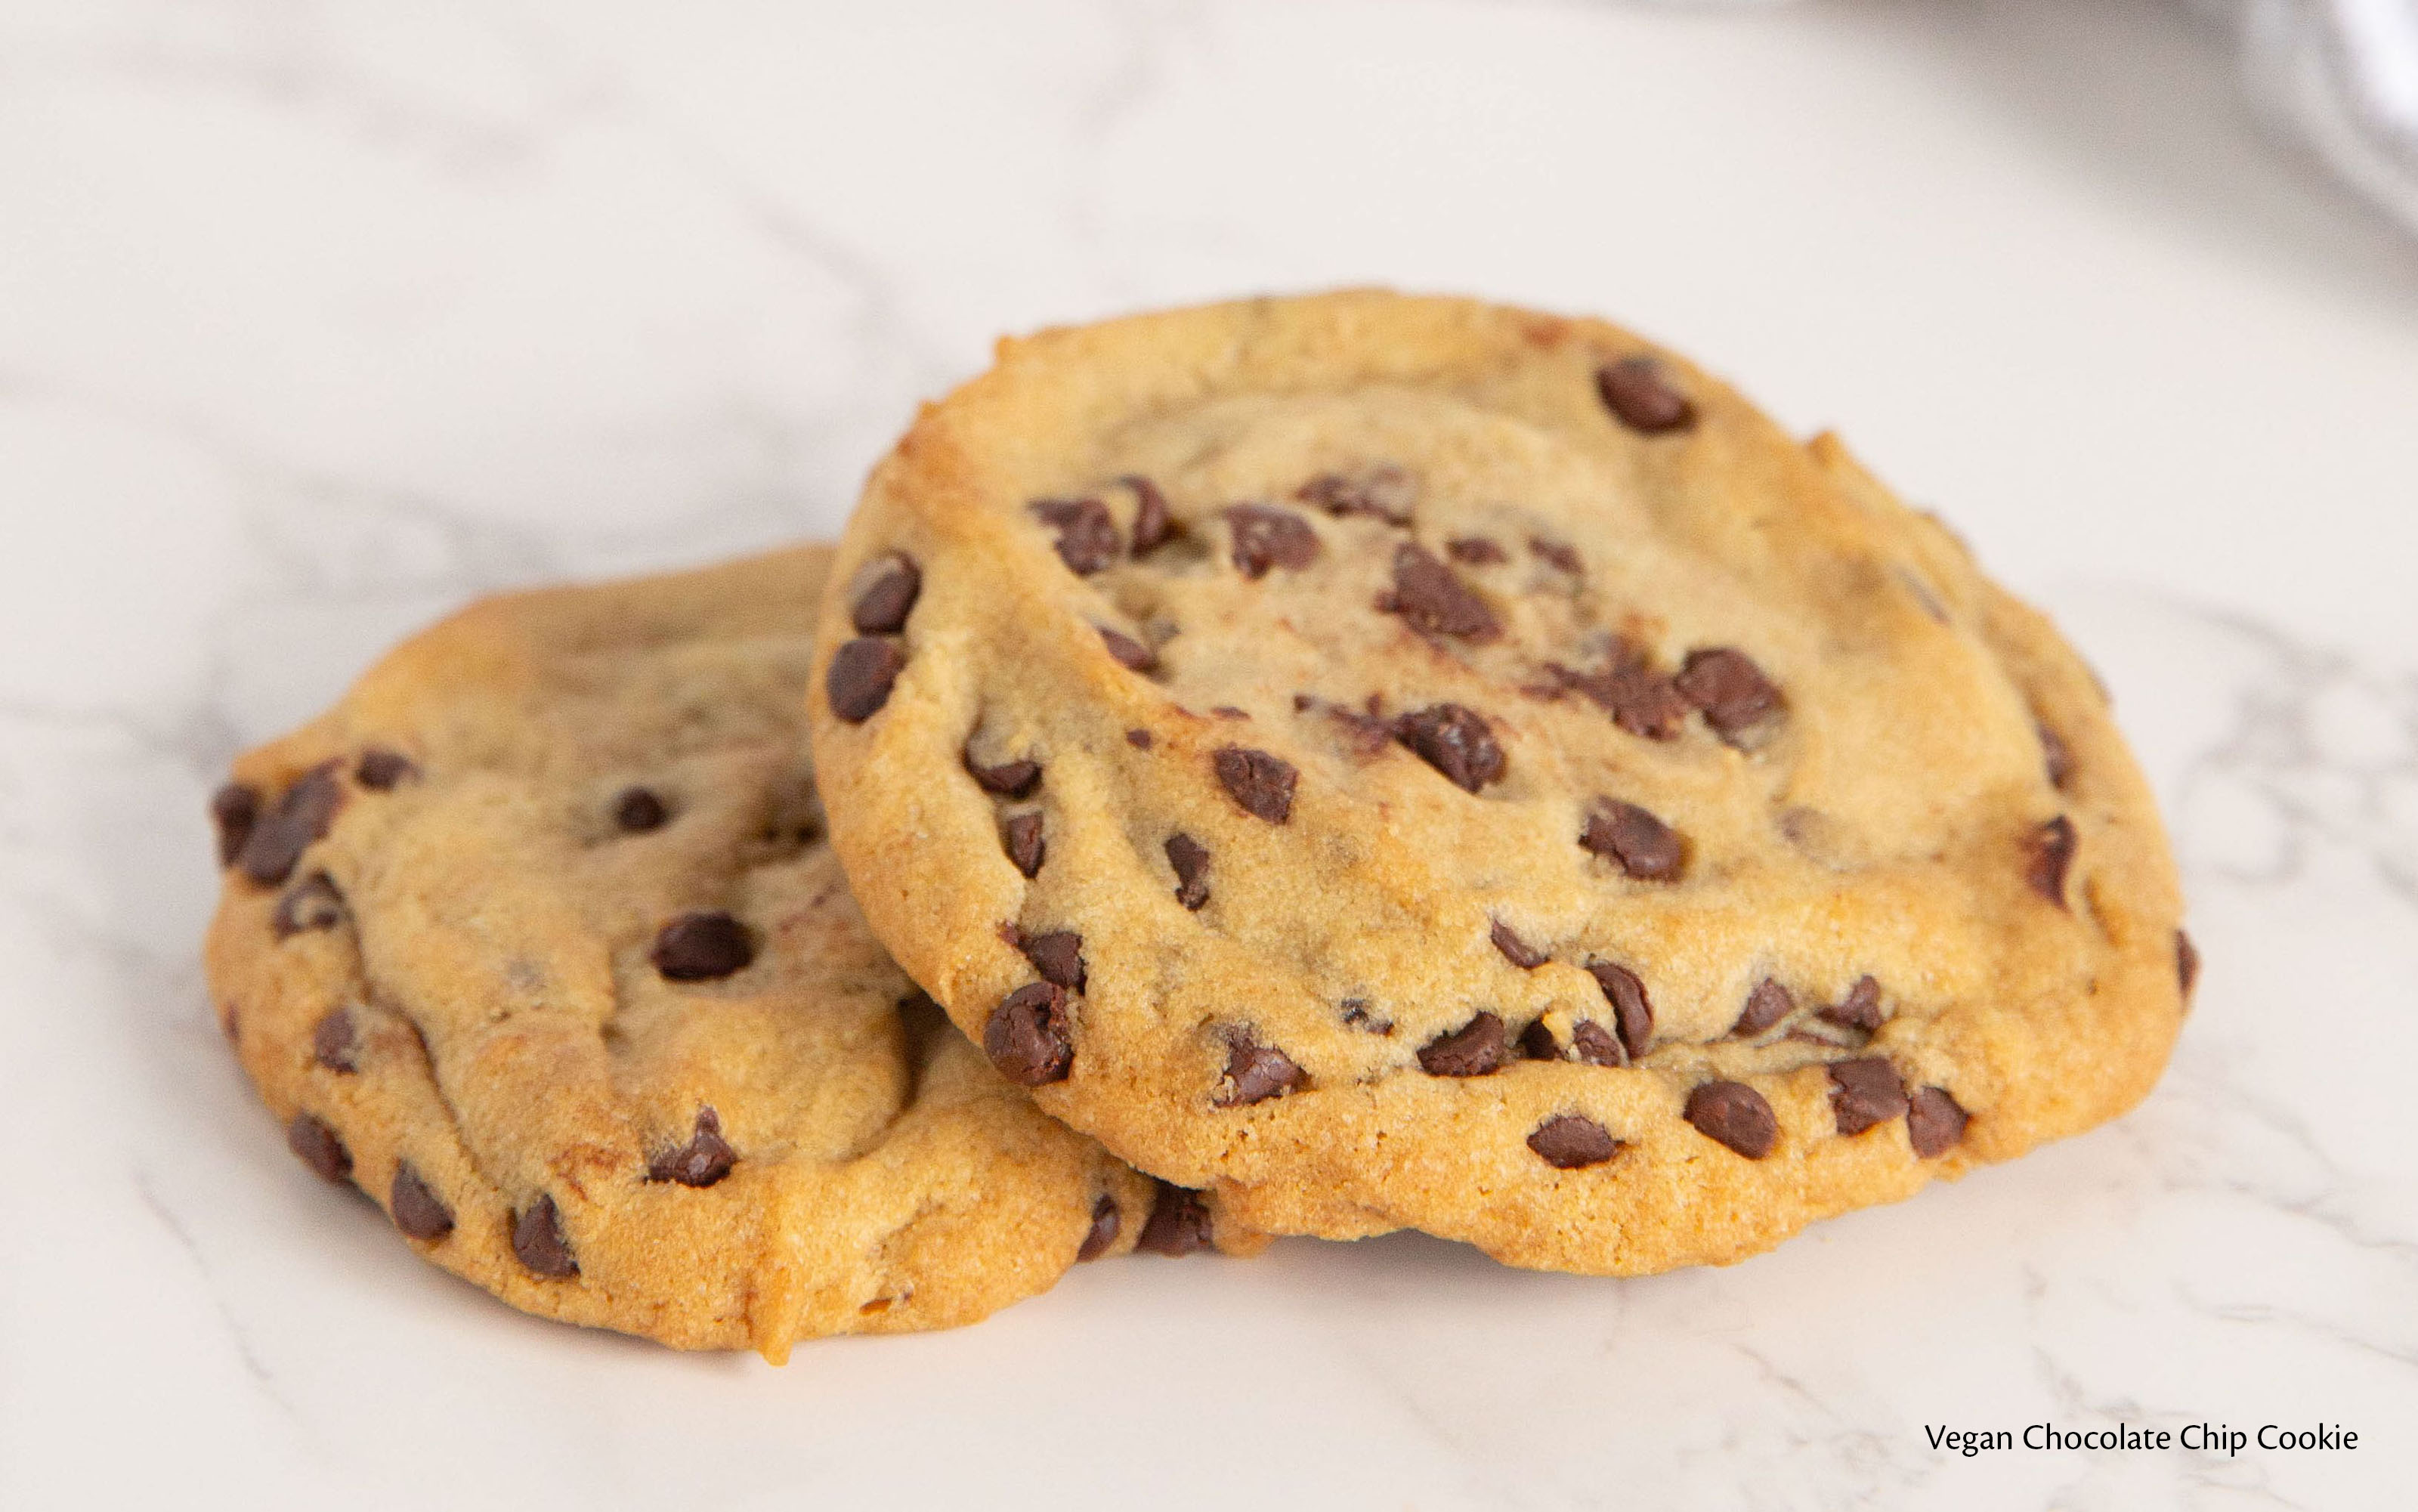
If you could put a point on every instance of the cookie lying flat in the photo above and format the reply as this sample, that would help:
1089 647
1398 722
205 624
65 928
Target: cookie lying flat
1411 762
535 938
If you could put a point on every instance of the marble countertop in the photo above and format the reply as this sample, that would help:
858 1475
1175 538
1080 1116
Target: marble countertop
316 321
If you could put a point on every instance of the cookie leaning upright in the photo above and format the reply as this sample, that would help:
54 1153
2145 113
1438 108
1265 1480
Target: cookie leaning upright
1406 761
535 938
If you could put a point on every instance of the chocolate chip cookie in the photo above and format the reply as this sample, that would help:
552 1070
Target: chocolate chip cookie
537 940
1410 762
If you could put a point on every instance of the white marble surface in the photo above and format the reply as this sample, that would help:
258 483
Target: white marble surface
315 320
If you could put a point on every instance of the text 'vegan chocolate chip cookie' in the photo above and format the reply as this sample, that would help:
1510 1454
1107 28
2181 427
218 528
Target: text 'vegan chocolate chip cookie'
1473 772
536 939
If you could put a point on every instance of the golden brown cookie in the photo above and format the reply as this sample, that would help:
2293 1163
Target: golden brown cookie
1411 762
536 939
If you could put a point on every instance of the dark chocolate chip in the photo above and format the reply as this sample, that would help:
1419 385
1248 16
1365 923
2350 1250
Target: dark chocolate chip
1934 1121
234 809
1861 1009
1432 598
1106 1221
1517 951
1734 1114
1020 836
1087 538
703 947
1009 779
1640 700
1566 1141
703 1161
1454 741
2057 759
861 674
639 810
1592 1044
417 1210
310 904
1260 783
1474 1050
538 1240
1475 551
1190 859
1385 491
1642 844
1766 1005
1058 956
1256 1072
1537 1041
1636 392
1356 1014
1266 538
1632 1014
1729 688
882 608
380 770
334 1043
1559 554
1028 1037
1864 1092
301 816
1179 1224
1153 526
1139 740
2186 962
2049 853
1129 652
309 1138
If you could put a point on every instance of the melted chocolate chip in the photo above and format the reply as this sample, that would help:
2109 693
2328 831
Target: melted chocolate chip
703 947
882 608
1140 740
380 770
1454 741
334 1043
1020 838
1641 398
1592 1044
1434 600
1734 1114
1385 491
1639 700
1009 779
538 1240
1266 538
1087 538
1028 1037
1190 859
2048 855
637 810
1566 1142
2186 962
310 904
1179 1224
1766 1005
301 816
1515 950
1130 654
1256 1072
1934 1121
1537 1041
1632 1015
309 1138
1260 783
1861 1009
1474 1050
1058 956
1642 844
1731 690
1106 1221
1864 1092
417 1210
1153 526
2056 759
703 1161
234 809
1475 551
861 674
1557 554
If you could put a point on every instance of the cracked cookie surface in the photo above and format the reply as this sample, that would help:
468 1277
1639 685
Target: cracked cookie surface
537 939
1479 774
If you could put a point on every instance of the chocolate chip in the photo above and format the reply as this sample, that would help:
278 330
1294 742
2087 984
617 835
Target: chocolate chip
861 674
1020 836
1087 538
2186 962
1129 652
1734 1114
1153 526
2050 852
309 1138
703 1161
1009 779
1139 740
1028 1036
538 1240
1256 1072
417 1210
1229 711
1454 741
882 608
1861 1009
1934 1121
1260 783
1729 688
1592 1042
1366 734
1385 491
1266 538
1537 1041
1642 844
301 816
2056 759
703 947
1356 1014
380 770
1865 1093
234 809
1636 392
1566 1141
1558 553
1639 700
1179 1224
1106 1221
1474 1050
334 1043
1766 1005
1475 551
1190 859
311 902
1632 1015
639 810
1517 951
1058 956
1433 600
